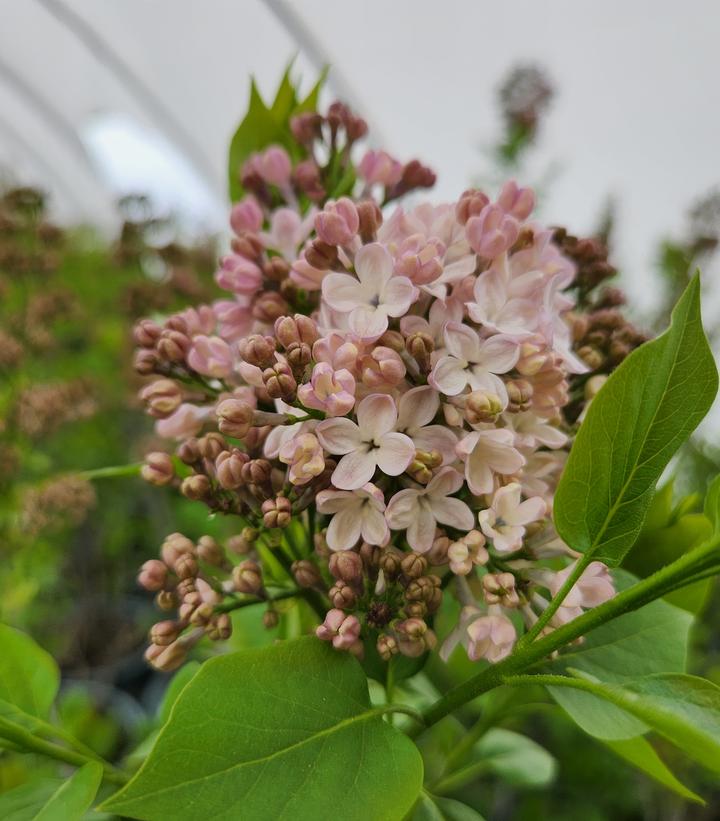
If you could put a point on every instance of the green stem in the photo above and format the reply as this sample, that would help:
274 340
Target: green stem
458 779
544 619
228 607
32 743
110 472
678 573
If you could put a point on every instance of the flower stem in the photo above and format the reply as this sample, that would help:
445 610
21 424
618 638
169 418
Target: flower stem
110 472
679 573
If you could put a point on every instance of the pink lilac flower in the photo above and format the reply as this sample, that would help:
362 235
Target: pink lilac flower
280 435
378 167
595 585
507 304
273 165
485 453
419 510
367 445
239 275
532 431
305 456
186 421
516 201
328 390
339 628
371 298
338 222
246 215
288 231
234 318
211 356
492 232
492 637
504 521
357 513
473 361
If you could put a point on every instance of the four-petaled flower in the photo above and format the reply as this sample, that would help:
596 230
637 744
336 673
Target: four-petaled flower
357 513
504 521
372 442
485 453
374 296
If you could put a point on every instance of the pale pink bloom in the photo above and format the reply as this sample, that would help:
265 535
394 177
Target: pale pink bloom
305 456
280 435
492 637
210 356
492 232
338 222
508 305
273 165
186 421
468 552
419 259
381 369
541 473
200 320
419 510
516 201
485 453
432 221
504 521
379 167
417 409
234 318
306 276
451 310
357 513
374 296
288 231
371 443
328 390
595 586
532 431
473 361
339 628
246 215
239 275
340 351
459 635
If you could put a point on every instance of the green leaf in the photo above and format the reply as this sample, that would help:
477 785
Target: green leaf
435 808
653 639
285 732
515 758
684 709
644 412
177 684
29 677
712 505
53 799
641 754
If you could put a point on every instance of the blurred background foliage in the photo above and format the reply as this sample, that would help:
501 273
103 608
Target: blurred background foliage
71 538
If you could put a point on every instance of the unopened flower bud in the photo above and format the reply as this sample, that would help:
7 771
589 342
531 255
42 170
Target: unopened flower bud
414 637
280 382
164 633
228 467
276 512
294 329
482 406
471 203
437 555
189 451
499 588
247 578
591 356
208 550
393 340
339 628
146 333
196 487
202 614
299 356
145 362
520 393
276 269
212 445
153 575
321 255
158 469
420 346
174 546
186 567
256 472
235 417
220 628
422 465
370 219
166 659
162 397
238 545
166 600
387 646
338 222
269 305
250 534
593 385
416 610
173 346
249 246
390 561
258 350
346 566
342 596
270 619
306 574
414 565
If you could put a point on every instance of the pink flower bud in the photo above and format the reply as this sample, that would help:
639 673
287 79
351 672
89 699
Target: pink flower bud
338 222
158 469
329 390
295 329
382 368
211 356
420 260
379 167
163 397
342 630
239 275
273 166
516 201
235 417
153 575
492 232
305 456
246 215
174 546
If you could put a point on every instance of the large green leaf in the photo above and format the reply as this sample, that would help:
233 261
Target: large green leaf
285 732
53 799
684 709
515 758
653 639
29 677
641 754
644 412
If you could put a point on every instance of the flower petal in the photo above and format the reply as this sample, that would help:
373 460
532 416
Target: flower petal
453 512
499 353
368 322
436 437
354 470
395 453
448 376
374 267
339 436
445 482
374 526
398 295
332 501
402 508
376 416
342 292
344 530
462 341
529 511
421 532
418 407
